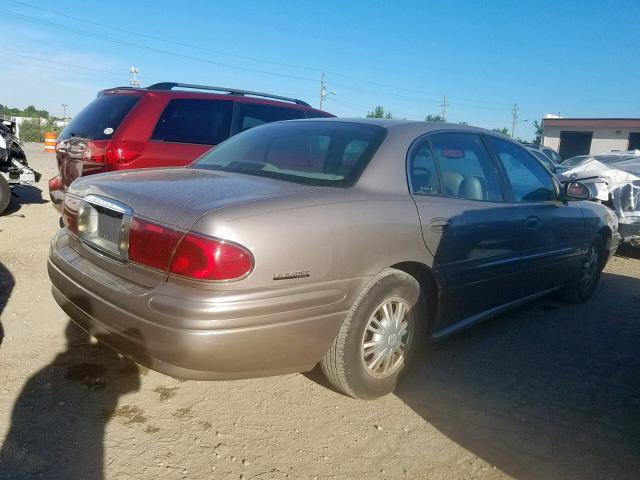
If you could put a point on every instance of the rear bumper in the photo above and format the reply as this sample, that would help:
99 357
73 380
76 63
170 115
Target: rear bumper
226 336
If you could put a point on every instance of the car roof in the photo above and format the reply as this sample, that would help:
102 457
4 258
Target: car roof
196 91
409 127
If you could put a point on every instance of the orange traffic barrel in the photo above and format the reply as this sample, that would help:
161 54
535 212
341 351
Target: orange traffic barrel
49 142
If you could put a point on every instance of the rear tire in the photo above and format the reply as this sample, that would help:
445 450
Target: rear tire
5 193
379 338
581 287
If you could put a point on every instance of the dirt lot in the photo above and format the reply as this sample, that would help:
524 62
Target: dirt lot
548 391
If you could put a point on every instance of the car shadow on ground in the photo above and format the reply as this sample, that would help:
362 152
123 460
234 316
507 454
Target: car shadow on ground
24 195
59 419
6 287
547 391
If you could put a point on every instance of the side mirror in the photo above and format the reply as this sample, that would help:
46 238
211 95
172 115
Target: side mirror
576 191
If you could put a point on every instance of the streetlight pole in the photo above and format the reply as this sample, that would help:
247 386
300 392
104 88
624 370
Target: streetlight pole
323 91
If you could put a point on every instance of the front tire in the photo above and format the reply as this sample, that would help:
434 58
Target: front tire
379 338
581 287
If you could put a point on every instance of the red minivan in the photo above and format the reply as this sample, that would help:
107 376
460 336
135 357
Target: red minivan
166 124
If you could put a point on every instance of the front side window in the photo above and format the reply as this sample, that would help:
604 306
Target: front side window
314 153
465 167
194 120
253 114
530 181
423 174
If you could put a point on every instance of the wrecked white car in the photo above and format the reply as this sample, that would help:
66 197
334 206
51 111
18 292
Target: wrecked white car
14 169
614 180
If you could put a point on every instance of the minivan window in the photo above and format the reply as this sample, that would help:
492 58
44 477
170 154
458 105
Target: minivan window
253 114
101 118
466 169
530 181
194 120
313 153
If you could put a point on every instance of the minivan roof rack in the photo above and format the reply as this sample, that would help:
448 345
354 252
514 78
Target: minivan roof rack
231 91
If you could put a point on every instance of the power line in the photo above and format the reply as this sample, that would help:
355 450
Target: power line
217 52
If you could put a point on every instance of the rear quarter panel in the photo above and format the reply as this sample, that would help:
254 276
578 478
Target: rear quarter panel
349 235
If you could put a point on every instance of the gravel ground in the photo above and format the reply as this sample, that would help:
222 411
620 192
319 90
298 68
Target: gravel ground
547 391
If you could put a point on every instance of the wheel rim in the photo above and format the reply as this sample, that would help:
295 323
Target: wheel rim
387 338
589 271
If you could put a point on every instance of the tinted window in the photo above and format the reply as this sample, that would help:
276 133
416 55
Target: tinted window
423 173
465 167
101 118
316 153
251 115
546 161
552 154
529 180
192 120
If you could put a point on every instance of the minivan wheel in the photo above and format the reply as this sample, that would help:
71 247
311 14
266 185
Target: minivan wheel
581 287
5 194
379 338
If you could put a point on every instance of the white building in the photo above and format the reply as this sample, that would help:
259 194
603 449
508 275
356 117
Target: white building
588 136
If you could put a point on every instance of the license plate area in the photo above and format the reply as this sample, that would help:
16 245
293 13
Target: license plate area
103 224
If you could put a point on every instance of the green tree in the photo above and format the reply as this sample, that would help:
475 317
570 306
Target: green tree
503 131
538 138
379 112
434 118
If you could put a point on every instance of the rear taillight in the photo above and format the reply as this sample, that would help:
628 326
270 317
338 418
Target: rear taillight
70 208
122 151
151 244
55 184
188 255
205 258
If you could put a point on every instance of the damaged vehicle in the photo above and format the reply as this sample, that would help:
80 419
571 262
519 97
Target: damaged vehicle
344 243
14 169
614 180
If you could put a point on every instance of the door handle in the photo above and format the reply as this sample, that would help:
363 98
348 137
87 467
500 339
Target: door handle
533 221
439 224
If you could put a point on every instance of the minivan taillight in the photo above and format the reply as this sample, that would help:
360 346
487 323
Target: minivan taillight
188 255
122 151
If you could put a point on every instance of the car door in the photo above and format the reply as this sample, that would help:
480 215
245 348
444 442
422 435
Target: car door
466 224
553 234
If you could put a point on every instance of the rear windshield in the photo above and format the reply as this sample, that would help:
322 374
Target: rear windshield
101 118
313 153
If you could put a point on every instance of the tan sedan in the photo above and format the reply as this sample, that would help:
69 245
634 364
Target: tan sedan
347 243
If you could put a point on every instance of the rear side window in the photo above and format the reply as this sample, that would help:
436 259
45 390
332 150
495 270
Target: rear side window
101 118
193 120
466 169
423 173
314 153
530 181
253 114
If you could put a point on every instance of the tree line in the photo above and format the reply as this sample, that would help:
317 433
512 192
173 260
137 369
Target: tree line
33 128
380 112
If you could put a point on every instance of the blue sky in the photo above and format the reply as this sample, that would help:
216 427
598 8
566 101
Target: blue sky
570 57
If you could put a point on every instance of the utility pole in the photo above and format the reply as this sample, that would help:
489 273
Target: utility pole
444 106
323 91
514 114
134 82
64 111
